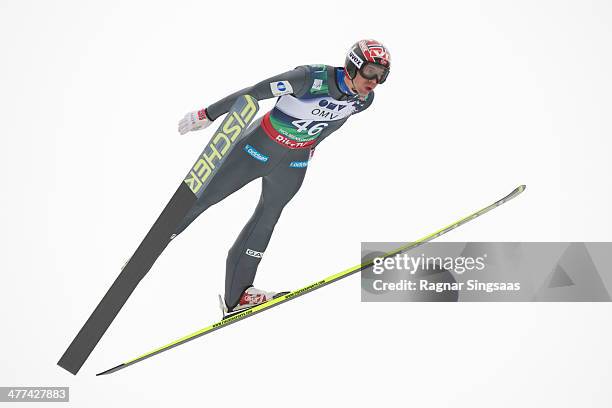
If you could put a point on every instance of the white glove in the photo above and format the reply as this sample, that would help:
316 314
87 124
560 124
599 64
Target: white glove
195 120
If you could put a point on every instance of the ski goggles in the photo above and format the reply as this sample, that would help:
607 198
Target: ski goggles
369 70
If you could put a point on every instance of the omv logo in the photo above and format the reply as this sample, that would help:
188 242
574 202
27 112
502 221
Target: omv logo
324 103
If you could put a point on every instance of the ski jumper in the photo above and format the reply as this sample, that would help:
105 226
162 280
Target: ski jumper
313 102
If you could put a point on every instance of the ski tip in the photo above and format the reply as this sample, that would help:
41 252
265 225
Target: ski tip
111 370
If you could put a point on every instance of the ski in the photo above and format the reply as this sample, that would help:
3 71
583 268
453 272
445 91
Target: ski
161 233
314 286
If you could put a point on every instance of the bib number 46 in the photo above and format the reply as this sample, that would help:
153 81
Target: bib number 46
304 125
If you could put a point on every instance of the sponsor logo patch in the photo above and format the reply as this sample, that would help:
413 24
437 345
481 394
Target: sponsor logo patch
292 144
298 164
254 254
256 154
281 88
317 84
331 106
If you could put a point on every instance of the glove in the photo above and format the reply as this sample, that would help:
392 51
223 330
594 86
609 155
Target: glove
195 120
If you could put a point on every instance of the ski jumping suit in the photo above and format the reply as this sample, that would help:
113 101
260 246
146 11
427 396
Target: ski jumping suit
313 102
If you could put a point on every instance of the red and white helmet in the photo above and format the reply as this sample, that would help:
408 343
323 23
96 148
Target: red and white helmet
370 58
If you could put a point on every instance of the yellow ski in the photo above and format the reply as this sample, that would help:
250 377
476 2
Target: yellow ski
319 284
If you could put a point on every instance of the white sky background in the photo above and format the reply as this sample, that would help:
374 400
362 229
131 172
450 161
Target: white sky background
483 96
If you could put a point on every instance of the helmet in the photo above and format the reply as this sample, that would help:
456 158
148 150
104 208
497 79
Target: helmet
370 58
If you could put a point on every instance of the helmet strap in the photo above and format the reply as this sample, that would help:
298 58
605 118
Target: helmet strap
353 88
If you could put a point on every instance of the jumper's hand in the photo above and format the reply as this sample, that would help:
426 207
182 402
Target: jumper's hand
195 120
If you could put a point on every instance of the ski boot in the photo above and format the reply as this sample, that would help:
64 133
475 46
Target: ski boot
250 298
